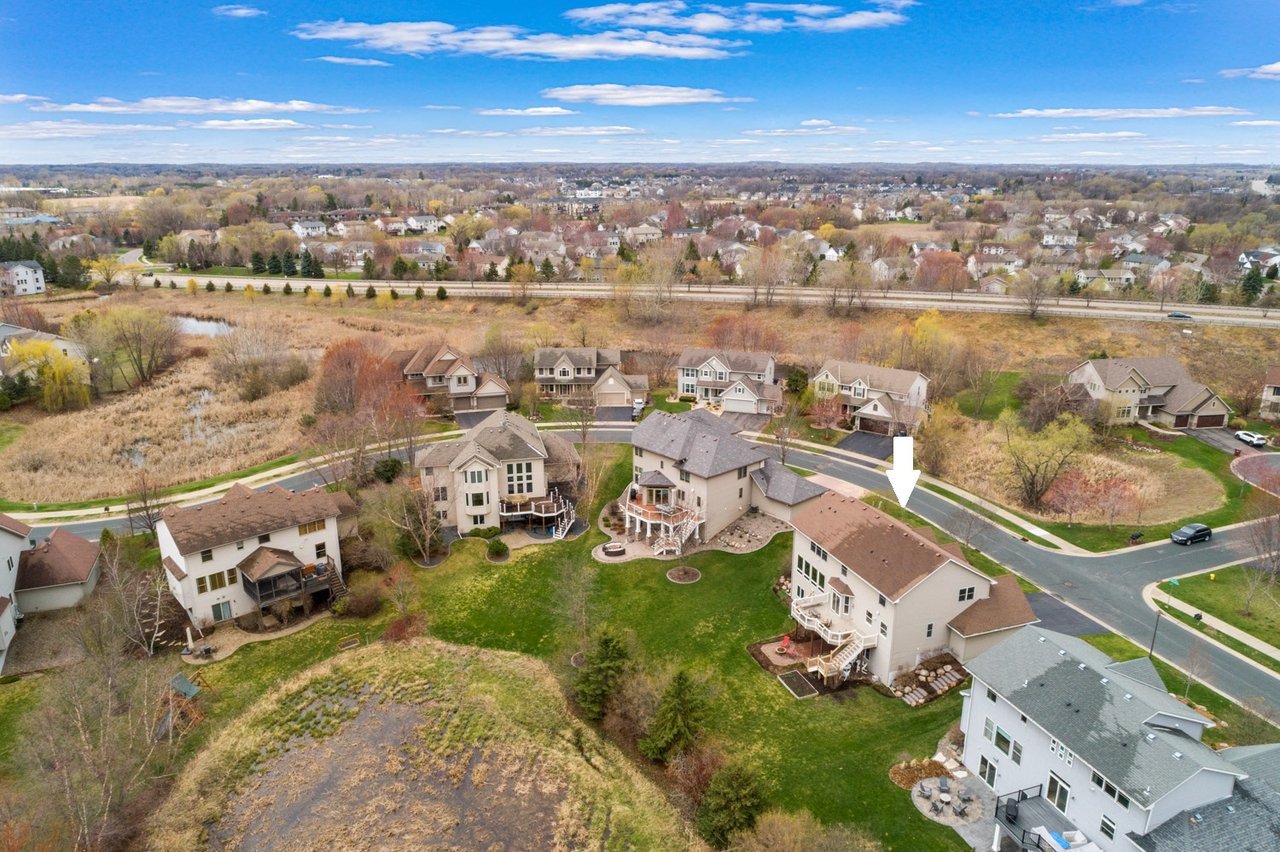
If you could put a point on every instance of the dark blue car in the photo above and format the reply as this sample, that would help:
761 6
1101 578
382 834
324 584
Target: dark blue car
1191 533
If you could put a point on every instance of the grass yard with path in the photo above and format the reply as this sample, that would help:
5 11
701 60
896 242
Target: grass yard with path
1220 637
1223 597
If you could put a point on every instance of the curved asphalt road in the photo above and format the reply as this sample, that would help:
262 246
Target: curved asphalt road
1107 588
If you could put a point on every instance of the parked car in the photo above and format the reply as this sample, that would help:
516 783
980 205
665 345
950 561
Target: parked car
1191 533
1178 315
1253 439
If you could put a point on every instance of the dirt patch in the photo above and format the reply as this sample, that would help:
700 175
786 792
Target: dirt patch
684 575
46 640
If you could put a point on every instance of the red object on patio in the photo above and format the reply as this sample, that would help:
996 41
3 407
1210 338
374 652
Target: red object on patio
785 647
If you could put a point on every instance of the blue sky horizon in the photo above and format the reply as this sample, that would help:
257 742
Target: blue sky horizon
1095 82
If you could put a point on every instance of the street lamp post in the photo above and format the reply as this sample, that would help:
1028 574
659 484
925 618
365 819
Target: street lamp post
1151 651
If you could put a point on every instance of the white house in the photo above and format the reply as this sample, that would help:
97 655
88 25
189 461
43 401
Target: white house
1099 753
59 573
21 278
875 399
13 540
422 222
884 597
249 550
742 381
390 224
502 471
308 228
693 476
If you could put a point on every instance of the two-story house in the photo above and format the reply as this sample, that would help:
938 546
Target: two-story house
1157 389
448 379
308 228
21 278
693 476
1269 406
249 550
1100 754
875 399
885 596
58 573
586 372
502 471
14 539
742 381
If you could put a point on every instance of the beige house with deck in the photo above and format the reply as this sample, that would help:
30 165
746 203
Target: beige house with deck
1157 389
875 399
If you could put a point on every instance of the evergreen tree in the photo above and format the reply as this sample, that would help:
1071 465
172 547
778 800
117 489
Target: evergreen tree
691 251
367 269
228 288
293 203
288 289
547 270
330 201
148 247
370 293
266 289
273 264
733 800
288 265
209 287
600 673
441 270
257 264
678 720
1251 285
351 292
399 268
1210 293
394 294
328 291
304 265
441 293
955 245
72 272
491 274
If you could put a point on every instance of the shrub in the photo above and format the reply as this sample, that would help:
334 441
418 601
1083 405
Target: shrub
394 294
209 287
600 673
404 627
294 371
307 421
691 772
497 548
5 402
733 801
328 291
266 288
156 283
228 288
1238 423
288 289
369 292
442 293
255 385
388 469
173 285
485 532
418 294
351 291
365 596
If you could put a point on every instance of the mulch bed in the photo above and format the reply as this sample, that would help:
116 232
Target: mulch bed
907 775
684 575
798 685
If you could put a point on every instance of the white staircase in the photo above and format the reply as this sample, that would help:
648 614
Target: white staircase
562 527
840 662
673 542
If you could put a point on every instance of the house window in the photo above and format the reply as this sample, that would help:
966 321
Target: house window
520 478
322 550
440 493
564 372
739 493
239 545
313 526
477 476
206 556
684 476
1107 827
882 600
639 453
479 498
871 619
477 520
464 380
217 581
884 629
966 594
233 576
202 585
817 551
742 473
1016 754
264 538
928 630
222 611
859 392
991 694
987 770
989 729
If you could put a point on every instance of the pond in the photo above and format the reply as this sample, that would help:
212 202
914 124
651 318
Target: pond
202 327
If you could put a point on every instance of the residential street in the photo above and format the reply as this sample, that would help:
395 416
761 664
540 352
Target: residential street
1107 588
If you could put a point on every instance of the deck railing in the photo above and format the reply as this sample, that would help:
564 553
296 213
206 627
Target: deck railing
1025 839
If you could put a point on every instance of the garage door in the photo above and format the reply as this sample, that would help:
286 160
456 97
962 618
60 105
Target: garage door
1211 420
879 427
739 405
618 397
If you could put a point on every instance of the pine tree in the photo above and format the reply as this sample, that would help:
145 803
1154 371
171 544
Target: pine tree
394 294
351 292
399 268
491 274
288 264
288 289
600 674
691 252
273 264
328 291
419 294
305 266
734 799
1251 285
266 288
678 720
228 288
257 265
547 270
209 287
367 269
370 293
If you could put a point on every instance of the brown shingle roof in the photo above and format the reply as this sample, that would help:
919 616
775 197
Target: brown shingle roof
263 560
14 526
1006 607
62 558
1273 377
883 551
174 568
244 513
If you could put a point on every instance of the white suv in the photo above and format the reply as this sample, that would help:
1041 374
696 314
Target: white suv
1253 439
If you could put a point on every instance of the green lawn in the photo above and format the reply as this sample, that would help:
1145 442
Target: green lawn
1000 398
1222 638
991 516
660 403
1224 596
10 432
1236 726
16 699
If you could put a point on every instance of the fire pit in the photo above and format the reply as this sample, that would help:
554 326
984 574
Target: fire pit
684 575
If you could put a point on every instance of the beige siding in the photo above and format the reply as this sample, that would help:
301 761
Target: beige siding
935 600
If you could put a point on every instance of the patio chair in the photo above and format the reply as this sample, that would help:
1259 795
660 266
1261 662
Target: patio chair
959 810
787 646
943 786
924 791
935 808
966 796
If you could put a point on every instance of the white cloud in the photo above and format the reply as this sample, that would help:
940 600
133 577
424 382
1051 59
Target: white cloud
1261 122
1193 80
1270 71
598 130
347 126
237 10
418 38
71 128
249 124
353 60
453 131
616 94
827 129
440 106
183 105
528 111
20 99
1089 137
815 122
751 18
1112 114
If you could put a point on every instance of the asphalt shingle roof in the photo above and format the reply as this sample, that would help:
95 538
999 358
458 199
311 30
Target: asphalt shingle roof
737 362
702 445
244 513
780 483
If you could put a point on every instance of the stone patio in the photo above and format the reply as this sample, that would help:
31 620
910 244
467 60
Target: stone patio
977 826
749 533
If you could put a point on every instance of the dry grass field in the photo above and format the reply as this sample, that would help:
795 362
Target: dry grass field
85 455
419 746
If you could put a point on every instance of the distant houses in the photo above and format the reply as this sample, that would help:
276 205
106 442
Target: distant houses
21 278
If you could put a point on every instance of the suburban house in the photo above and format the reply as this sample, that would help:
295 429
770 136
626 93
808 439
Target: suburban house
641 234
21 278
1156 389
251 550
693 476
10 334
1100 754
422 222
503 470
13 540
1269 407
308 228
874 399
1106 280
58 573
447 378
884 597
578 373
391 224
742 381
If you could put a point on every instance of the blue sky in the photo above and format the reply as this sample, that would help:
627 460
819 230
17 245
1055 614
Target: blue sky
1035 81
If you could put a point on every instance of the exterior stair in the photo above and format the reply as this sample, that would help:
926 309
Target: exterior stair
337 588
833 664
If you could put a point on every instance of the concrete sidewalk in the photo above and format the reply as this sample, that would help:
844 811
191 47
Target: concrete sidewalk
1153 596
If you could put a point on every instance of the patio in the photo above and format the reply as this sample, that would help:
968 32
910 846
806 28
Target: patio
969 807
749 533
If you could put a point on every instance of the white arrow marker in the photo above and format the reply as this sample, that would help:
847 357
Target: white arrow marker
903 477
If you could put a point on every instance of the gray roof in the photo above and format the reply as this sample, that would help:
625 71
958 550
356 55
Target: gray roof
654 479
737 362
780 483
502 436
1078 695
578 357
243 513
14 264
1185 393
886 379
702 445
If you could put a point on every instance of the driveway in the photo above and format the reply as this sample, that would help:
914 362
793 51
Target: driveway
613 413
1223 439
867 444
1055 615
468 419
